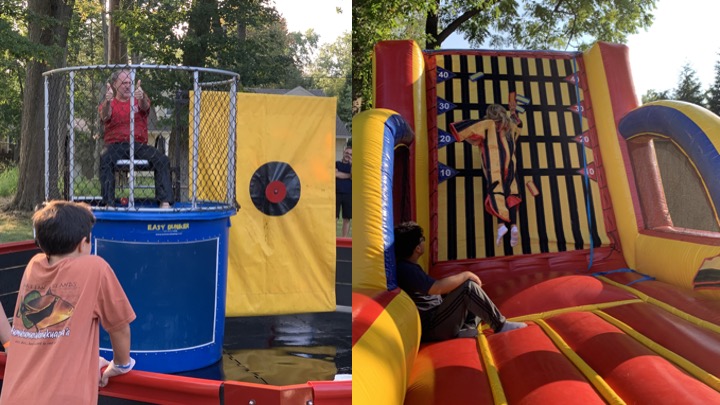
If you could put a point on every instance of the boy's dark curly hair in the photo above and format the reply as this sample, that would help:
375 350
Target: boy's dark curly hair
61 225
407 236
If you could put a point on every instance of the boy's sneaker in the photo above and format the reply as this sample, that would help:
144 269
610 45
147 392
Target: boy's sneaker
508 326
468 333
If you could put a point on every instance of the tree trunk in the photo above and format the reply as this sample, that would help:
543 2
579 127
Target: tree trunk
242 31
106 35
435 37
118 47
32 168
431 30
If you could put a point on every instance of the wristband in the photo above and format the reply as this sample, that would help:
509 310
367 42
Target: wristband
6 344
124 367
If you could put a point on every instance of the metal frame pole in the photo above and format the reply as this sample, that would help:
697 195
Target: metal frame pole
131 180
47 139
196 135
231 143
71 143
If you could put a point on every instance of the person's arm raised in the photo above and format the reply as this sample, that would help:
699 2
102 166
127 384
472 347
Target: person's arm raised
447 284
106 110
141 97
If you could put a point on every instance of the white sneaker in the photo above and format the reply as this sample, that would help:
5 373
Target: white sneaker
514 236
508 326
502 230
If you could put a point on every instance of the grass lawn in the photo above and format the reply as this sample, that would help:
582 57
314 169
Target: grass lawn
14 226
338 228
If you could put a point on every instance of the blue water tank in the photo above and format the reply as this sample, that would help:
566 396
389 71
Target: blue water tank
173 268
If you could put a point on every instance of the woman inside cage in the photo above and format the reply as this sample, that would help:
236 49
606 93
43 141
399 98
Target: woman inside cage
115 115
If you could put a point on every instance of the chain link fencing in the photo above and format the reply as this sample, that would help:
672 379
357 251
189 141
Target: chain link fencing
141 137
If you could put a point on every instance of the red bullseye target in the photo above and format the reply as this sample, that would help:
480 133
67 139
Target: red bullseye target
275 188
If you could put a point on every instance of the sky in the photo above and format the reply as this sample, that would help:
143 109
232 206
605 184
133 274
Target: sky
683 31
689 29
319 15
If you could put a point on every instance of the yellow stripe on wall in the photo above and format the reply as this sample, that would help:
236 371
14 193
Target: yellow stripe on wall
422 153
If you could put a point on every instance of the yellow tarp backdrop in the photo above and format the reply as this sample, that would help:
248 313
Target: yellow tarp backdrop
284 264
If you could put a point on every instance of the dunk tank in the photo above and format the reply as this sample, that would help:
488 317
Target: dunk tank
616 270
161 256
190 267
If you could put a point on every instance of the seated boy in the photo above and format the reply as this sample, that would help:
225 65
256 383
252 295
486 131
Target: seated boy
449 307
65 293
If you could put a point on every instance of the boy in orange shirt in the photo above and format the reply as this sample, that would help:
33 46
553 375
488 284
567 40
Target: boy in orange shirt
4 329
64 295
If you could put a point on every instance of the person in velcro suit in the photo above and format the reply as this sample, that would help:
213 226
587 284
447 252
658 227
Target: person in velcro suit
497 136
451 306
115 116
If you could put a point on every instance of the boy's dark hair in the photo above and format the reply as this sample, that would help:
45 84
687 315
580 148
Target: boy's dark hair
407 237
61 225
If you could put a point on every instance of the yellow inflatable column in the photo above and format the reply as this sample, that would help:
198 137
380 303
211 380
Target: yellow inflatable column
613 96
375 135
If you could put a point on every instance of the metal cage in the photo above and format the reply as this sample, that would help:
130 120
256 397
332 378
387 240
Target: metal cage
189 127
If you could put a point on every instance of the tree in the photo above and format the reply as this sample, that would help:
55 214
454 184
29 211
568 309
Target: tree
374 21
249 37
266 58
689 87
48 22
12 75
303 47
155 30
331 73
16 48
204 33
652 95
86 38
713 94
244 36
545 24
528 24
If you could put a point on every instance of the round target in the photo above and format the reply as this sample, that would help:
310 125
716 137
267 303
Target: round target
275 188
